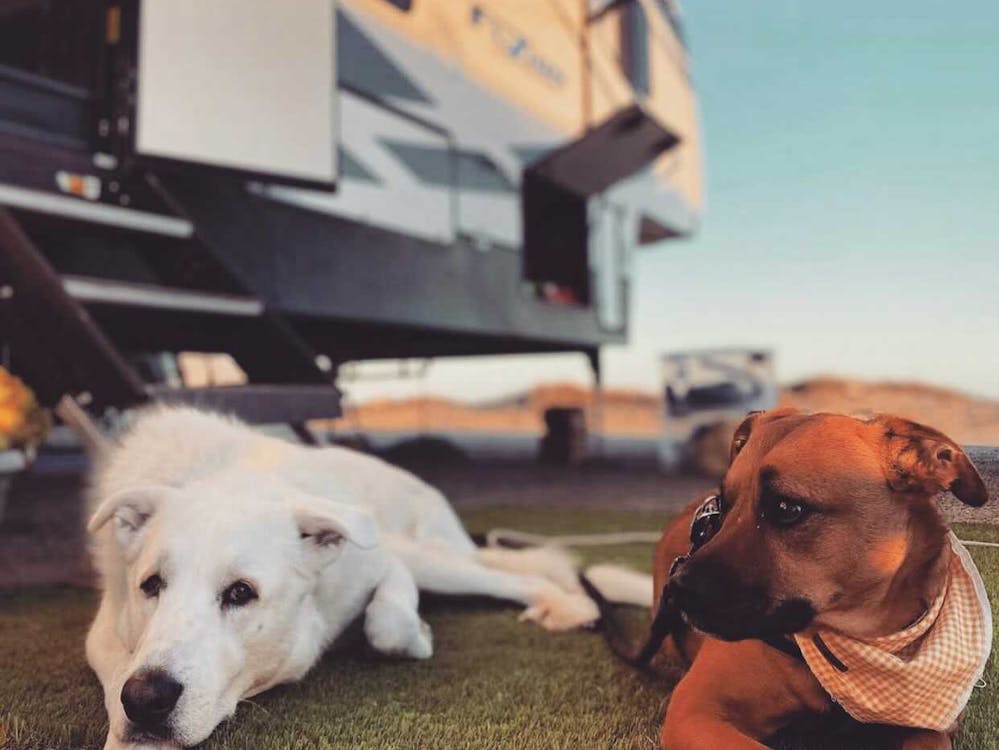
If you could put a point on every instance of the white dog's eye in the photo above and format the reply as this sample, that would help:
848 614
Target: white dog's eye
152 585
238 594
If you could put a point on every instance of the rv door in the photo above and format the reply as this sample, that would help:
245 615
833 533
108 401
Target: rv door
239 85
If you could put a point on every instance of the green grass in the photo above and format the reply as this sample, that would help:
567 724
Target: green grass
493 683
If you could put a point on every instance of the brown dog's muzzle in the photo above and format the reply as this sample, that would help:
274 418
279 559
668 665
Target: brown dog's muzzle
715 599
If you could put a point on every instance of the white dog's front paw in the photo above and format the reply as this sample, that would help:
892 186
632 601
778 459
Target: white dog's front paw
554 609
398 631
422 646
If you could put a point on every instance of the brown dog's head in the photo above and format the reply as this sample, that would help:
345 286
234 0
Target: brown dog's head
830 521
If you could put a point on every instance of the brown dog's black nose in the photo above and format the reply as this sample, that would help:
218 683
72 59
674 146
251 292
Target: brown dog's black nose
704 587
714 599
149 697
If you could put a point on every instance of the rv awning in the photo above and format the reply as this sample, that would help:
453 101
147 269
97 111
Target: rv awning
617 148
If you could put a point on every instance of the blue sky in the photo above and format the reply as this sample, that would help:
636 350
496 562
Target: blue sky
852 222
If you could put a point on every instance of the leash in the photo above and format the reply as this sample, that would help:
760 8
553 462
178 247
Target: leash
666 620
668 617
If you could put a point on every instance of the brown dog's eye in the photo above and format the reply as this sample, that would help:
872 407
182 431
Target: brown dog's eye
238 594
152 585
784 512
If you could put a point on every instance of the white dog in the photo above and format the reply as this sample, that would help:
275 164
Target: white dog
230 560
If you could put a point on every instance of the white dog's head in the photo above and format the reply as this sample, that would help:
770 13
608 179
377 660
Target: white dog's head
218 598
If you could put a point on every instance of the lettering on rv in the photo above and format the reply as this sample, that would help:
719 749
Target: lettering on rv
515 45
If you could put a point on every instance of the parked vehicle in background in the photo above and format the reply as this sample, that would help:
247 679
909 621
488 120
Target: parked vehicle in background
706 394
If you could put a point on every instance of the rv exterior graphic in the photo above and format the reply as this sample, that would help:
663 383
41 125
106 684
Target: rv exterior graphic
303 185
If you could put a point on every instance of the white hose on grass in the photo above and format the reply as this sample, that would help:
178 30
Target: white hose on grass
496 537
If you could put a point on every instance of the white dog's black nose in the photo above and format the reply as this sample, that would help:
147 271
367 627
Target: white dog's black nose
148 697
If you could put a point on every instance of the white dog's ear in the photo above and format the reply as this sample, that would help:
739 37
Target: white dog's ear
129 510
327 525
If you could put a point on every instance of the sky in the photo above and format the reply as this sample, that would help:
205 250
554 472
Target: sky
852 217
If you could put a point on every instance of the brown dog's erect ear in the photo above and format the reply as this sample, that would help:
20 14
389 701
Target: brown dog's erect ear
742 432
921 459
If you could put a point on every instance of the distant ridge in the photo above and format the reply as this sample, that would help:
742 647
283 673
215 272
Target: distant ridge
968 419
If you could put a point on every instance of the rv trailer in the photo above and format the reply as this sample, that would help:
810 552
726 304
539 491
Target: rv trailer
301 185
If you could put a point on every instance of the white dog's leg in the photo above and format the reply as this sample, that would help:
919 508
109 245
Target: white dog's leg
437 569
392 621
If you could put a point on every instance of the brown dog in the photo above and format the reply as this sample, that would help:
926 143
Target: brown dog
830 523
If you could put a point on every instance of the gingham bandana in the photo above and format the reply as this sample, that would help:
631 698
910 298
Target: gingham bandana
921 676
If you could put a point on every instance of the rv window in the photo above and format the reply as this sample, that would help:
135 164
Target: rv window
352 167
635 47
57 39
477 171
401 4
21 34
439 167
